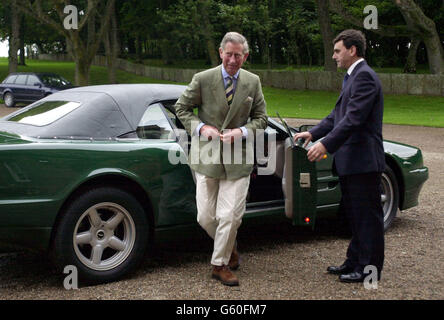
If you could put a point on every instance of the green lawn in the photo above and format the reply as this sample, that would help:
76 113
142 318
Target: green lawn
398 109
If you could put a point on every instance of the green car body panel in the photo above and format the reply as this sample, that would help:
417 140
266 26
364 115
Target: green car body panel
38 177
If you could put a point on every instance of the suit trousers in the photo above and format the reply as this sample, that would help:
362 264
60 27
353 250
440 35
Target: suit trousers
361 201
220 208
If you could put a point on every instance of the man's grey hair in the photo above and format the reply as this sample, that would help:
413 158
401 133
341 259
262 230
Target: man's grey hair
235 38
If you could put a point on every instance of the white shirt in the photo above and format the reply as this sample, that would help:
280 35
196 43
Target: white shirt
352 67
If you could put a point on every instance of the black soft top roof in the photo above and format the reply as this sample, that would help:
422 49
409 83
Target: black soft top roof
106 111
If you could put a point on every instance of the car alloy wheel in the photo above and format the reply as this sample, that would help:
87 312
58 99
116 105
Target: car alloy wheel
9 100
104 236
104 232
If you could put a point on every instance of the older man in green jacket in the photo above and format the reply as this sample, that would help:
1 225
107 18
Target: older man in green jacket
230 107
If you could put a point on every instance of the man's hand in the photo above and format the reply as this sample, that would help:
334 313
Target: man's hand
316 152
209 132
229 135
304 135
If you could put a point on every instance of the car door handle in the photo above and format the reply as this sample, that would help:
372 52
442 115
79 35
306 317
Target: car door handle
304 180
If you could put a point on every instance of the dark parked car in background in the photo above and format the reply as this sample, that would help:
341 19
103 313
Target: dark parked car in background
30 86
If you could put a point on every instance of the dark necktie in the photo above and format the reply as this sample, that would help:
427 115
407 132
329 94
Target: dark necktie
345 80
229 90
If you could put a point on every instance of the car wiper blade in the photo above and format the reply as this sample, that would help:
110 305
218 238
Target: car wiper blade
129 134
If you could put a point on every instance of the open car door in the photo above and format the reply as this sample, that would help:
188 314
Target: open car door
299 183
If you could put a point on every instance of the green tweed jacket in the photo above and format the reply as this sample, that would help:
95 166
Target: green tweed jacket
206 92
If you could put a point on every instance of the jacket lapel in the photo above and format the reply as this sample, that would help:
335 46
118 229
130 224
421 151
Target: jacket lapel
218 89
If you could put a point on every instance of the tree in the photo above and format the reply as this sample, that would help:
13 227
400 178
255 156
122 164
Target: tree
82 47
111 45
206 29
418 26
327 34
137 24
11 29
188 24
425 28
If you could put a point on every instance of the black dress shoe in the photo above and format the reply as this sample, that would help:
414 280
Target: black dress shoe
342 269
352 277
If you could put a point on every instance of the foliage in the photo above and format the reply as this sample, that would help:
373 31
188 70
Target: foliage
280 32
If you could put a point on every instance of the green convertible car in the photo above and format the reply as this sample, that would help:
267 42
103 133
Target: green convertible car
89 174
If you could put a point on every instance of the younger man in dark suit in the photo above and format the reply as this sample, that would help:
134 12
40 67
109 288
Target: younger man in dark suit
353 134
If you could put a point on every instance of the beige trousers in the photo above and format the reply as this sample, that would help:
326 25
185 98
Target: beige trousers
220 208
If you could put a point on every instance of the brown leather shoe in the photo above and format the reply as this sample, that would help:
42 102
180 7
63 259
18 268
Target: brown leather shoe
234 260
224 275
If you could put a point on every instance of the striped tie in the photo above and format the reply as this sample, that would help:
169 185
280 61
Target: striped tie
229 90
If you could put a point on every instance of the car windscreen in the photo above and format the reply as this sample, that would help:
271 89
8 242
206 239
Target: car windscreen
154 124
54 80
45 113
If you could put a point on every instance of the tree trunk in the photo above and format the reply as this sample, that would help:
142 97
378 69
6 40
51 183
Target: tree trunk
298 57
14 37
207 31
108 55
115 47
82 71
310 60
22 42
410 65
327 34
273 53
426 28
79 54
111 49
138 49
263 48
91 28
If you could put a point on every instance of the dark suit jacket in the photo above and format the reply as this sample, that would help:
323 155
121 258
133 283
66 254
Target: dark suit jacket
353 130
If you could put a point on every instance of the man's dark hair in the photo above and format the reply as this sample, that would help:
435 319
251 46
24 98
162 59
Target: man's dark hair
350 38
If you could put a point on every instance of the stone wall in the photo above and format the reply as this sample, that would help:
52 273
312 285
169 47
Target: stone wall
392 83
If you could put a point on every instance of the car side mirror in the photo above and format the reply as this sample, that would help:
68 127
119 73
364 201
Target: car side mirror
37 84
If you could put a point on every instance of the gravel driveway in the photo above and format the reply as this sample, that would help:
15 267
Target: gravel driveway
278 262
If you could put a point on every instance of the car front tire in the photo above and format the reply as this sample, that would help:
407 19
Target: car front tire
389 196
9 99
103 233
